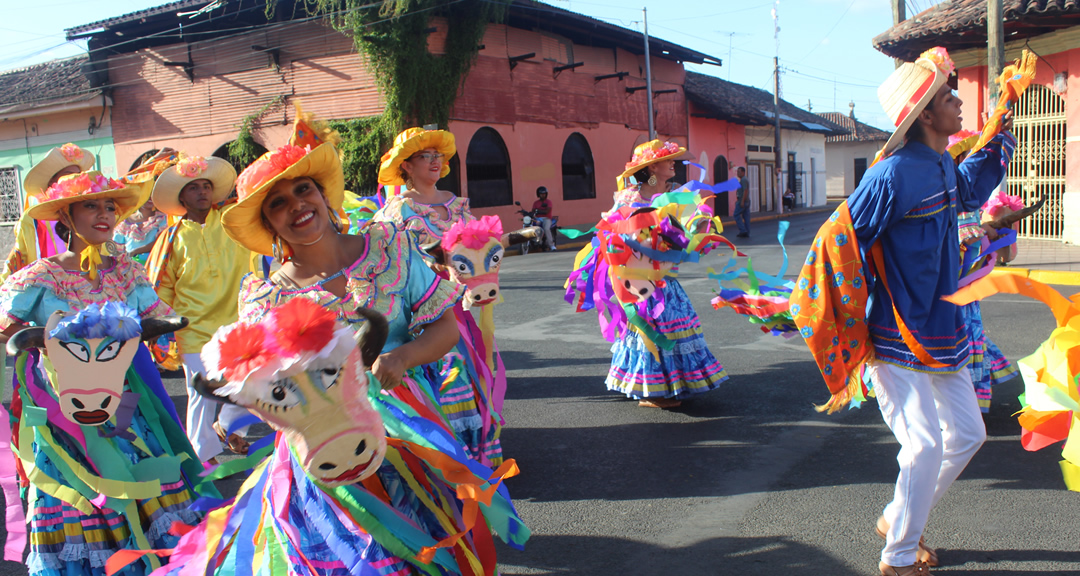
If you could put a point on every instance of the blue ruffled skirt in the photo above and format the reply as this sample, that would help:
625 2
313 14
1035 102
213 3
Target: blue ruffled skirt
687 369
988 365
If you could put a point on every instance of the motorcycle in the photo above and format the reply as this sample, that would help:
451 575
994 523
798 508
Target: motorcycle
529 218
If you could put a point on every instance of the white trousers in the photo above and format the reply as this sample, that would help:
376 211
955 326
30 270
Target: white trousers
545 225
202 411
937 421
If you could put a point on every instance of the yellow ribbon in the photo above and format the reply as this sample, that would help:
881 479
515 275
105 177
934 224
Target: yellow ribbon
89 260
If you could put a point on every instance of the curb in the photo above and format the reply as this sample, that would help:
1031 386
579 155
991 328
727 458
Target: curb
1059 277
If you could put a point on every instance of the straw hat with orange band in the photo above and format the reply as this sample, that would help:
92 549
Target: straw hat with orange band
908 90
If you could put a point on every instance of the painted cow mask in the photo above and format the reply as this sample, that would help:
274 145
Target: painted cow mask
304 374
91 352
641 250
473 251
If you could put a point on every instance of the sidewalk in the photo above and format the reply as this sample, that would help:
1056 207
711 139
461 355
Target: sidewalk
1048 261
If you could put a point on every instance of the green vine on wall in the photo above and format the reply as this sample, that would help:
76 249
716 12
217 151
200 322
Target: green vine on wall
244 149
419 87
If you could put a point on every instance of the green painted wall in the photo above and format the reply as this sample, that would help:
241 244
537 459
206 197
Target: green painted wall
102 149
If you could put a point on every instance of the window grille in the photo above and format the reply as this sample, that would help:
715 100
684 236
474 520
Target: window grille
11 201
1038 168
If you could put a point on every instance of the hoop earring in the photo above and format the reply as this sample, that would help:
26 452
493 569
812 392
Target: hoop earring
409 184
652 179
335 221
278 250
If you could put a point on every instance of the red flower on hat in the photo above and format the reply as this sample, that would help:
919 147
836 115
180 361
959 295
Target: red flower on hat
287 155
302 326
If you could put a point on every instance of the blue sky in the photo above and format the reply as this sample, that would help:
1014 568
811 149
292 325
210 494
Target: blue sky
824 47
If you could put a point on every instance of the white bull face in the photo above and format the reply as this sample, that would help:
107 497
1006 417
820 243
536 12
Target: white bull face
90 373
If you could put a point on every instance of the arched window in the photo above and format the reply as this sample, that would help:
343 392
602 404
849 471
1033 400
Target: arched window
143 158
578 176
223 152
680 173
452 181
487 164
720 174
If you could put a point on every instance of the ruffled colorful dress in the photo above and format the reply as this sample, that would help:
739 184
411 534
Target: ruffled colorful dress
89 494
988 365
688 368
473 399
282 522
134 234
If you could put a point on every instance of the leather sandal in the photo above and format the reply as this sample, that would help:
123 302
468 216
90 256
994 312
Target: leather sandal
916 569
235 442
662 403
924 554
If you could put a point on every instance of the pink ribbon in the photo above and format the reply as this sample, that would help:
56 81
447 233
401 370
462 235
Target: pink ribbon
16 520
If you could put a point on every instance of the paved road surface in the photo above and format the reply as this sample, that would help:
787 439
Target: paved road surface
747 479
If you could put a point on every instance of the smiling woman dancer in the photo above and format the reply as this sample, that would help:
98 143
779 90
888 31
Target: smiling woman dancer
82 479
289 201
473 398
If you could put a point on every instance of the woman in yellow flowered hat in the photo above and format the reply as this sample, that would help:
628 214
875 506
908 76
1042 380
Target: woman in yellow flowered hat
93 491
417 160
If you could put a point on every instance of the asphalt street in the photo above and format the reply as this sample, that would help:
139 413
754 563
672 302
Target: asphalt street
747 479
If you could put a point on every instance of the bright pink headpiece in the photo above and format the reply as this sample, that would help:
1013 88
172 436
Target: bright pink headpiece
473 234
1002 200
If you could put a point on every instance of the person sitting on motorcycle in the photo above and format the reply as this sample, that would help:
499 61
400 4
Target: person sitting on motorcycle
542 207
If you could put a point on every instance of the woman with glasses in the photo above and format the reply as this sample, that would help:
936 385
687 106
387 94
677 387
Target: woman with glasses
472 399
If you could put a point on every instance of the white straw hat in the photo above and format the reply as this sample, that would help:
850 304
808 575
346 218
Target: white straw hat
907 91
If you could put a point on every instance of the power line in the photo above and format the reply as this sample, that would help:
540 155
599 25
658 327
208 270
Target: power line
827 34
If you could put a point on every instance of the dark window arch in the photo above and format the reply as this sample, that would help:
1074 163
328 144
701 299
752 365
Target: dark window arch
223 153
452 181
680 173
720 174
578 175
143 158
487 164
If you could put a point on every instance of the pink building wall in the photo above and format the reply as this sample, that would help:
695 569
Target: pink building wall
718 138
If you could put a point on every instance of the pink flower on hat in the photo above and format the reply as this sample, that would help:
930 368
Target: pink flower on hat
191 166
649 154
268 166
940 57
71 153
78 185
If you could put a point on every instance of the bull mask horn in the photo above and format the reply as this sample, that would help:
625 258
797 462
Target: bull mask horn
152 328
1008 220
206 387
521 236
373 337
33 337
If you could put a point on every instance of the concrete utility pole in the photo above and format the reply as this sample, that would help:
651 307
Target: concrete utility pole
995 48
777 154
776 137
899 14
648 77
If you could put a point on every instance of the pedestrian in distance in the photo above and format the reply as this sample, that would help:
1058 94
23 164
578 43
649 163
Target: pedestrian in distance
742 205
543 209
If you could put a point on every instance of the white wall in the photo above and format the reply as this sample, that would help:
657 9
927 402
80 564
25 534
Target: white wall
841 160
805 145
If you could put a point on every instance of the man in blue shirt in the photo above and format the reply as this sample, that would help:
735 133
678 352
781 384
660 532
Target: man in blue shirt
908 203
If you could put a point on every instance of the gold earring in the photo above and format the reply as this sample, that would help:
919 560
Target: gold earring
409 184
652 179
277 249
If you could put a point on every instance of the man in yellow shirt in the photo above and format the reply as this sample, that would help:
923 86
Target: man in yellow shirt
197 270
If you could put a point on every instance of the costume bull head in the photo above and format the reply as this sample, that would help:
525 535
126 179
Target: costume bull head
473 252
304 374
641 250
91 352
1005 211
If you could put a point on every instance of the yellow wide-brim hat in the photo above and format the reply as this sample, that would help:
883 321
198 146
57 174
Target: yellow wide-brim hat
907 91
647 154
127 196
166 195
37 178
410 142
243 221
